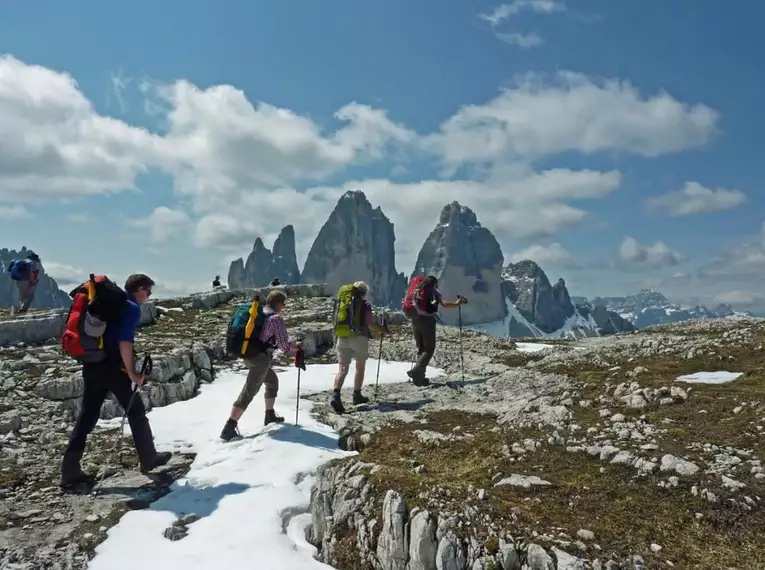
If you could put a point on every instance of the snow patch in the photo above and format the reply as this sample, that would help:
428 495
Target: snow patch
252 495
719 377
532 346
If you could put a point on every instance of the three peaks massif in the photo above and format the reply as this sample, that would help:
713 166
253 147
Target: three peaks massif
357 242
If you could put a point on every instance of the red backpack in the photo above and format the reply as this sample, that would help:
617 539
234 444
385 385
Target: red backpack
95 304
418 298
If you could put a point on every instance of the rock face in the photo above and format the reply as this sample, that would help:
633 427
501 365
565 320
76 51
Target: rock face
528 288
47 296
467 260
263 265
357 242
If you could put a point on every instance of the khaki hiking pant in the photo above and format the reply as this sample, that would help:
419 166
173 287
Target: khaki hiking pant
424 329
260 373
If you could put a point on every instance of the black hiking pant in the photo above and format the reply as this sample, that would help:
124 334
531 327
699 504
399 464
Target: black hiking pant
424 329
99 380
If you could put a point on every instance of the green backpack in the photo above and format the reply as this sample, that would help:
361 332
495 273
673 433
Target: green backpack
349 312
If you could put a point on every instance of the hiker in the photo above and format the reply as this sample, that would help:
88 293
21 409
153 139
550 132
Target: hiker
421 305
275 282
26 274
114 374
353 330
216 282
272 335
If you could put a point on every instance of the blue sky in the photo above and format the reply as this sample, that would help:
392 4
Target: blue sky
195 149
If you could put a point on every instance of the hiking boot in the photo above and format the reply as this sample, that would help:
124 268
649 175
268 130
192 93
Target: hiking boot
358 398
230 431
271 418
337 404
158 460
418 378
74 478
71 472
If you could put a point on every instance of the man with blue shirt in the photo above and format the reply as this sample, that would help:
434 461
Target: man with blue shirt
116 374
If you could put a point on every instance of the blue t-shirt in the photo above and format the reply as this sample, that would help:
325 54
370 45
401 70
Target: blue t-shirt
124 330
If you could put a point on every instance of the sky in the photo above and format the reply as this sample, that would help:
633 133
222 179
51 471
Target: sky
615 143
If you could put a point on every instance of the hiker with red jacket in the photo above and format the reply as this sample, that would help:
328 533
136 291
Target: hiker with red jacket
421 304
26 274
116 373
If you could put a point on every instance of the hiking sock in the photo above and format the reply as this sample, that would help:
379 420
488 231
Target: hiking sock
358 398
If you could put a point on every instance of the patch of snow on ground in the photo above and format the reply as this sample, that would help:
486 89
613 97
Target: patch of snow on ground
252 495
532 346
719 377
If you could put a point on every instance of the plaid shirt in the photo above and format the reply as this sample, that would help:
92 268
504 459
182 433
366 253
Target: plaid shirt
276 330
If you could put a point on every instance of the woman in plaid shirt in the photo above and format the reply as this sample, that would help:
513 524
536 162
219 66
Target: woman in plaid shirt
260 367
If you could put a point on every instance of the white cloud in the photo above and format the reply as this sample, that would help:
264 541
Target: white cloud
746 261
572 112
54 145
236 164
739 298
654 255
697 199
554 254
65 274
13 212
163 223
505 11
523 41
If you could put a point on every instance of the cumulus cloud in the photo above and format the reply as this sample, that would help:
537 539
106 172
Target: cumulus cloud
544 116
739 298
163 223
554 254
65 274
747 261
54 145
244 168
697 199
655 255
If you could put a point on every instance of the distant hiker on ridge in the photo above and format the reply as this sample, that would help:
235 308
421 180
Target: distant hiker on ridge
275 282
268 333
354 324
216 282
421 305
26 274
115 373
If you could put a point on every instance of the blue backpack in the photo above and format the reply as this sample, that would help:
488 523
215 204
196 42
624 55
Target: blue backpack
19 269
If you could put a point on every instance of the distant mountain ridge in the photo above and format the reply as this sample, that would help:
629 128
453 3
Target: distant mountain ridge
649 307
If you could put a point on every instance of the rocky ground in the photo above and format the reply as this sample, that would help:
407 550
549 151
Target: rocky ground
40 392
584 455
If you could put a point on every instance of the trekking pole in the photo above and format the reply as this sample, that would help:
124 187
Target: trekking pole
379 356
146 369
300 364
462 361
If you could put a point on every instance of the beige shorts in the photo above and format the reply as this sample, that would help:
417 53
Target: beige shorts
352 348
